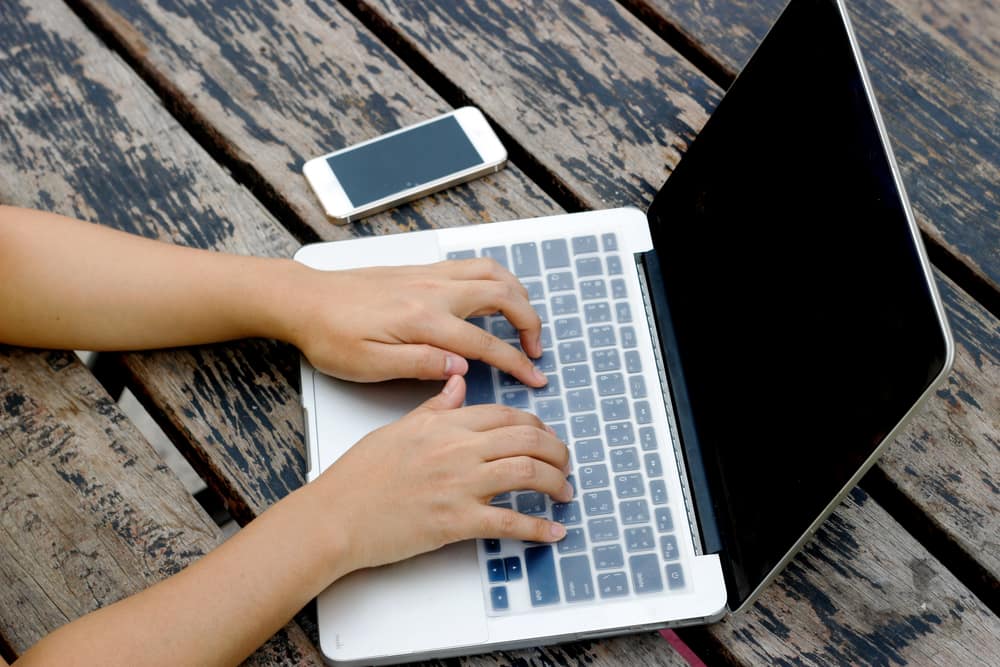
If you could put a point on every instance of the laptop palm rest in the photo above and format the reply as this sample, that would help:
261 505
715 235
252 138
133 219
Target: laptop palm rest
411 597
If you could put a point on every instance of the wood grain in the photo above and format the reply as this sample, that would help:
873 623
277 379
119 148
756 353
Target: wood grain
88 512
972 26
274 84
939 109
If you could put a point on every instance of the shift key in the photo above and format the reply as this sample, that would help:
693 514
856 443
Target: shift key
541 567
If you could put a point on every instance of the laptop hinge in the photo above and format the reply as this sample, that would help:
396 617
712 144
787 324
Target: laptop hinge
690 462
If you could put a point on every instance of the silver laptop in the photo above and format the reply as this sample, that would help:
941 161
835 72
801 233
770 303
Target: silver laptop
723 368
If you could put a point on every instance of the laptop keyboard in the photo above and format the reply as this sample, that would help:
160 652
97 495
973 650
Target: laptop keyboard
620 540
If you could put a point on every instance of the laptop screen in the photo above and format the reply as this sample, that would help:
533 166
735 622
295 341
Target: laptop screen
801 315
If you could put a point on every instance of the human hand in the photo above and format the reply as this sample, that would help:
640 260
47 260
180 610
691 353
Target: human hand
426 480
375 324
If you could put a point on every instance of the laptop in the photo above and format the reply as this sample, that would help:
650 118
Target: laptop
723 367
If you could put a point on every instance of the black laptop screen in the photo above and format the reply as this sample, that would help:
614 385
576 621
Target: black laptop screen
801 315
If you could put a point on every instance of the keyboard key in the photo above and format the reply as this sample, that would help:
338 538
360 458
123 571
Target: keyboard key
619 434
507 380
535 290
555 253
618 289
614 409
645 573
597 503
589 266
550 389
653 466
632 362
603 530
503 329
498 598
603 336
492 546
576 376
614 265
546 338
525 260
560 430
593 289
574 542
639 539
515 399
595 313
576 578
610 384
588 451
628 337
612 584
624 459
668 547
594 476
503 506
571 480
543 588
664 522
609 241
461 254
568 327
543 312
658 491
608 557
564 304
606 360
497 253
479 384
478 322
675 576
647 438
643 413
501 496
584 244
512 567
547 362
531 502
560 282
628 486
633 511
623 313
584 426
572 352
567 514
550 410
495 570
580 400
637 385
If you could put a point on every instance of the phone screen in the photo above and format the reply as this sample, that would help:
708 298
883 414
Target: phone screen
403 161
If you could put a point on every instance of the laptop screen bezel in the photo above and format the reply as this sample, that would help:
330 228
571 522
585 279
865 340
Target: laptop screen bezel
741 597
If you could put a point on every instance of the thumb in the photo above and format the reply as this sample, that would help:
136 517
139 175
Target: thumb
450 397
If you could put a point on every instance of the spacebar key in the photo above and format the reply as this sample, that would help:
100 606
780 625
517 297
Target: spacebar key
541 567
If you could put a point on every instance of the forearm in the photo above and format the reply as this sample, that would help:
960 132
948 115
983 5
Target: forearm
69 284
221 608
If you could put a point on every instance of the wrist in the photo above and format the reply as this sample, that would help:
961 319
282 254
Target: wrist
272 306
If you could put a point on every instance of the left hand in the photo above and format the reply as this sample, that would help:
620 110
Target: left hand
375 324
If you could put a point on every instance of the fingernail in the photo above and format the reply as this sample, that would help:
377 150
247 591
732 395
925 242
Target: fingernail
549 429
568 490
538 344
568 468
539 376
557 530
455 365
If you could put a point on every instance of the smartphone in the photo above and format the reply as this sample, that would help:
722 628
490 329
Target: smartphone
405 164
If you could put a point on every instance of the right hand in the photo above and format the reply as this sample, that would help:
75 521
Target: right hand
427 479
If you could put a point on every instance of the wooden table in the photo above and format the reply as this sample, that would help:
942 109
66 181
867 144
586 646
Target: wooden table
189 120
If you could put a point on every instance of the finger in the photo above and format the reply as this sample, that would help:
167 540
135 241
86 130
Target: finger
523 472
481 297
471 342
423 362
451 396
496 522
484 418
524 440
479 269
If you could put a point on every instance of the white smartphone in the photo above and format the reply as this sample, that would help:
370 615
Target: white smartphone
405 164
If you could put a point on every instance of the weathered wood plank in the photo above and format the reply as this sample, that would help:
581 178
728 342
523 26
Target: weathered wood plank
234 404
940 112
863 593
971 26
278 83
88 512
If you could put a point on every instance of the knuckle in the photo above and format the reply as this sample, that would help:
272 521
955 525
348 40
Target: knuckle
523 469
487 343
506 522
